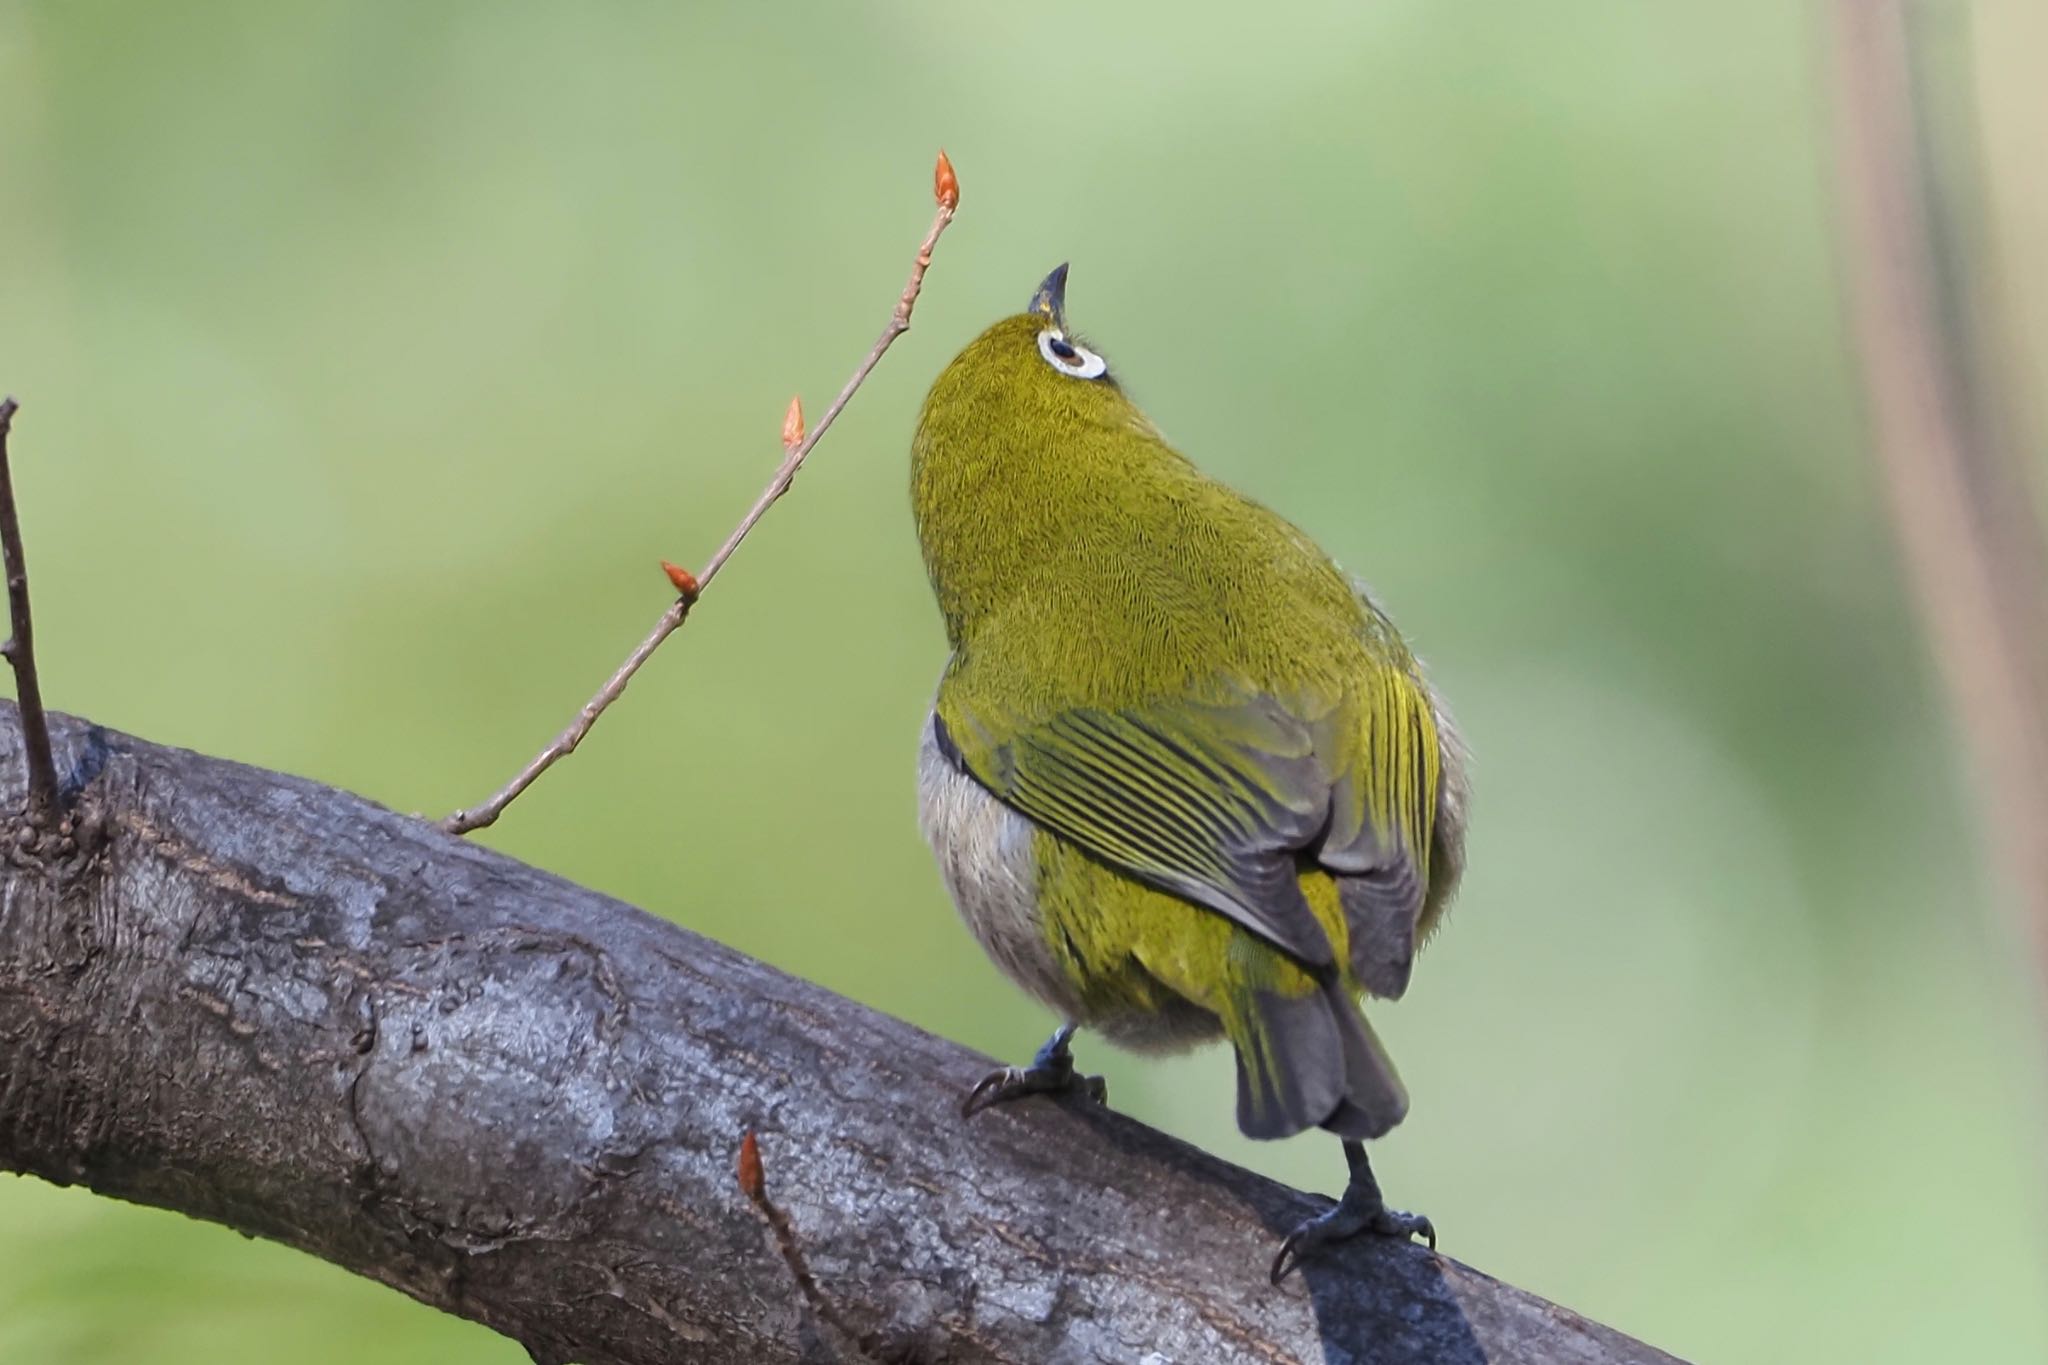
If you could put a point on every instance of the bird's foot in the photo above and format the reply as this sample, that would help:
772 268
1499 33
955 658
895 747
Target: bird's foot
1361 1210
1051 1073
1345 1222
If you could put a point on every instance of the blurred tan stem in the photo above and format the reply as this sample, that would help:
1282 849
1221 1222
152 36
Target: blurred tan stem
478 816
1966 522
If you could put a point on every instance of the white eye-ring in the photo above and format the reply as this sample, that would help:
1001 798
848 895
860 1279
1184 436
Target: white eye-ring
1064 356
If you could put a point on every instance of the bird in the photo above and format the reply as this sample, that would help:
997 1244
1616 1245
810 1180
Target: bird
1182 777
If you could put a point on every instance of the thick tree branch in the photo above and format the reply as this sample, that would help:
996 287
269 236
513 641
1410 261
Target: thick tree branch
277 1006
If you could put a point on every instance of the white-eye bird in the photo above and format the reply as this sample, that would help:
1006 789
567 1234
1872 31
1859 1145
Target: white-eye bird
1182 777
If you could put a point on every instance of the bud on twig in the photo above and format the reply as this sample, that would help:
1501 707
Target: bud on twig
793 424
753 1182
685 581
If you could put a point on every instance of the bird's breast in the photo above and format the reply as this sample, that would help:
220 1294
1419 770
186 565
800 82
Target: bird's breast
986 858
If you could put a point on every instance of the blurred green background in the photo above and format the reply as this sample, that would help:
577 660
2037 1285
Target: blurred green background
372 353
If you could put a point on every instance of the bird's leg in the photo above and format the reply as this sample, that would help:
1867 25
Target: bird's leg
1051 1072
1360 1210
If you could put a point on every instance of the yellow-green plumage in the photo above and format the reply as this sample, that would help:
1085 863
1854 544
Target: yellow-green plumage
1182 776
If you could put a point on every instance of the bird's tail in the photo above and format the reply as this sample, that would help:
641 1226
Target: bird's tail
1311 1060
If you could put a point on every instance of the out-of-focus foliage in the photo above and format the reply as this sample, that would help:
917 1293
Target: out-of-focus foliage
371 353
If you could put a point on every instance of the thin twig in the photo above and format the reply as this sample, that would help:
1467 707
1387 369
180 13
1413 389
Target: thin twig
754 1184
947 192
20 650
1963 515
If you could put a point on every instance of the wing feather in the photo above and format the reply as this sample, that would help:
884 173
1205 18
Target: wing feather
1224 803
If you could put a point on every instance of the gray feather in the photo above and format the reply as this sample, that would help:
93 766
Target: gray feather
1324 1068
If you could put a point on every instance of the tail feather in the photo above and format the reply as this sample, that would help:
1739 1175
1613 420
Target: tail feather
1312 1061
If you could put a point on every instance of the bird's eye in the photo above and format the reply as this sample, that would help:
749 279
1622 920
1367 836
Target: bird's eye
1064 356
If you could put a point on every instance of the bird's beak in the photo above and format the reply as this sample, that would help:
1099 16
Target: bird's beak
1051 298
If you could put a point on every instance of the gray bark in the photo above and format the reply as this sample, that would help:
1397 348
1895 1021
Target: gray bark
278 1006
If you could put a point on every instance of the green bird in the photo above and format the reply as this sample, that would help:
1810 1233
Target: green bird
1182 777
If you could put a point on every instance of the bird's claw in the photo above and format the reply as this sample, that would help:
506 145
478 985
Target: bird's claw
1051 1073
1015 1082
1345 1221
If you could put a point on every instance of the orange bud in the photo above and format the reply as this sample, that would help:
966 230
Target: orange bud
793 424
753 1183
945 184
685 581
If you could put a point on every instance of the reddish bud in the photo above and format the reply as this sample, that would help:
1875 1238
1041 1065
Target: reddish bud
793 424
753 1184
685 581
945 184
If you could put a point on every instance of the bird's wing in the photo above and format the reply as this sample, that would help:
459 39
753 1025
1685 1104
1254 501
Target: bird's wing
1389 757
1209 802
1222 803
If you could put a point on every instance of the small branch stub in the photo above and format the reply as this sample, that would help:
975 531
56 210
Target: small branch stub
753 1181
40 811
797 444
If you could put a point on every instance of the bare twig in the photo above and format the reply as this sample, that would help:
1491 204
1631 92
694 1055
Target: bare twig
946 190
41 811
1964 517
